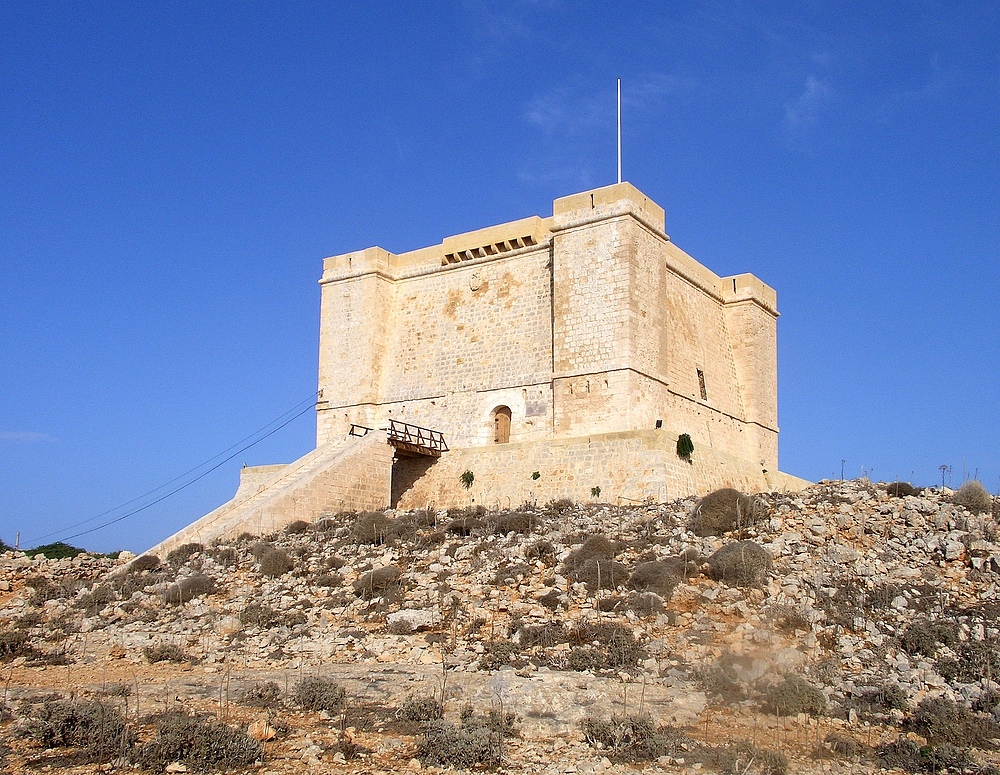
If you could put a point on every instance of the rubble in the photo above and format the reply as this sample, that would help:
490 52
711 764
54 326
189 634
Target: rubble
845 570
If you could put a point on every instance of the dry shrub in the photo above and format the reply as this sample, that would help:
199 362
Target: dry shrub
741 564
559 506
975 659
906 754
645 604
272 561
319 694
924 636
14 644
902 489
146 562
468 512
497 654
97 728
45 589
617 648
200 744
879 700
542 635
226 556
328 580
974 496
551 599
476 741
842 744
296 528
789 618
189 588
374 527
513 522
941 720
259 615
744 758
793 695
465 524
593 563
376 582
726 510
720 683
183 553
164 652
425 708
261 695
630 738
659 576
541 550
96 600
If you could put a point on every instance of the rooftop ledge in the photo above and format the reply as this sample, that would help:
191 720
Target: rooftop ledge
568 212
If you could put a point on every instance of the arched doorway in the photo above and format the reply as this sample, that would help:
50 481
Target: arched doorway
501 425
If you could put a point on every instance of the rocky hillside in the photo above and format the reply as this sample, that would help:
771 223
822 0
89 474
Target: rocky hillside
851 627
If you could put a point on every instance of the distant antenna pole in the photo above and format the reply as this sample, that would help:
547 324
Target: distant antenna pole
619 130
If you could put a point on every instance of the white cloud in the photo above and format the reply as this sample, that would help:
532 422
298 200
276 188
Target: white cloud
805 109
27 436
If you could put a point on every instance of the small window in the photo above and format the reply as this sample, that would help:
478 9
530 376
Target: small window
501 425
701 385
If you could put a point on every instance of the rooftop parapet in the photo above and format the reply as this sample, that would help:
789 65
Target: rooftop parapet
746 287
495 240
607 202
373 259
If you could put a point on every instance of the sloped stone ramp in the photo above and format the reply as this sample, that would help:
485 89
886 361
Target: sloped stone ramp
349 474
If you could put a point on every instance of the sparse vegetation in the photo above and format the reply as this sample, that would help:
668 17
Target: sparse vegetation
792 695
974 496
259 615
297 527
164 652
941 720
97 729
179 556
319 694
685 447
146 562
189 588
724 511
593 563
477 740
261 695
273 562
901 489
741 564
377 582
630 738
426 708
198 743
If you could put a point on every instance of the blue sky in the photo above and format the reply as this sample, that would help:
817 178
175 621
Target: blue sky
172 174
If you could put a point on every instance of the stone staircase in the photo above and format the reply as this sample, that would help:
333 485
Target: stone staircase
352 473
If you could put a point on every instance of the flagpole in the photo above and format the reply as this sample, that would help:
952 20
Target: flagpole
619 130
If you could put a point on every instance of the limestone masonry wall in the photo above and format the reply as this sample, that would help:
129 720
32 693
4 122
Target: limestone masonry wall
591 331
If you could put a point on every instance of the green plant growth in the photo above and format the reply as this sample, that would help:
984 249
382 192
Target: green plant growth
536 475
595 492
685 447
467 478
